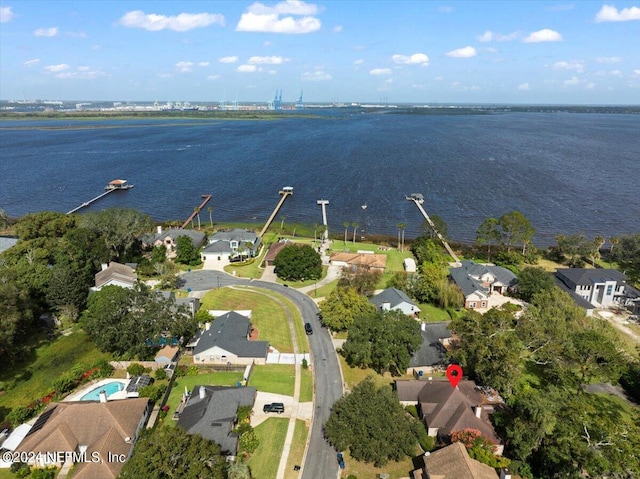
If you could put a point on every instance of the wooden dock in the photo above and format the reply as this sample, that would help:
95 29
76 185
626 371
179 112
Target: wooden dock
87 203
196 211
284 192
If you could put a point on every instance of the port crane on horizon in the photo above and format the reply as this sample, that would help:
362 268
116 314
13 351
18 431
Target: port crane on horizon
418 199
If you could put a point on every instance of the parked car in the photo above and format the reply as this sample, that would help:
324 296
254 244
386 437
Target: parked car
308 329
274 407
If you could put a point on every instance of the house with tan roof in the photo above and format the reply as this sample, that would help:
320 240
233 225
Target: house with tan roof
85 430
361 259
446 409
115 274
453 462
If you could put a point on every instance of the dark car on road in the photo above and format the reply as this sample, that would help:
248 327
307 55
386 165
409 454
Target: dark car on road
274 407
308 329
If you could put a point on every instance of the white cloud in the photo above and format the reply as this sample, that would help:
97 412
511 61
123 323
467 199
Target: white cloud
76 34
266 44
608 59
203 64
337 28
439 78
273 60
380 71
490 36
6 14
544 35
573 81
184 67
636 72
262 18
247 68
179 23
83 73
57 68
475 88
389 81
272 72
28 63
317 75
213 77
46 32
415 59
445 9
609 13
590 86
465 52
572 65
524 87
615 73
360 61
164 75
561 8
232 59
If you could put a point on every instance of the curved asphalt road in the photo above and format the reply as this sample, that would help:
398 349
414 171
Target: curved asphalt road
321 457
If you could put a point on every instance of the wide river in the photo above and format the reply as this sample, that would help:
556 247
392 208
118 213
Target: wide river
567 172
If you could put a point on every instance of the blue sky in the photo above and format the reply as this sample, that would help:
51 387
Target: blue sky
568 52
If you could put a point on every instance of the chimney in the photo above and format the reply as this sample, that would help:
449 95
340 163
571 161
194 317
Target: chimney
386 306
478 411
202 392
159 229
104 266
423 326
103 396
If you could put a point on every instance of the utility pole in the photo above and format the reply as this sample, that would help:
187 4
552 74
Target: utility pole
323 204
363 231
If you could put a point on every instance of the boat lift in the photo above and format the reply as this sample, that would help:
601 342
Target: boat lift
418 199
284 192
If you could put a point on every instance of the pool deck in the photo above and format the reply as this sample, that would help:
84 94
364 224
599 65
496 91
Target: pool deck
93 385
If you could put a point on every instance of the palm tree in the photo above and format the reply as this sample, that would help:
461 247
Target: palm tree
315 232
282 223
210 210
613 240
355 228
402 226
346 227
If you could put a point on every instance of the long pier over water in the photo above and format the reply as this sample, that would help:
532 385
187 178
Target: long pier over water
87 203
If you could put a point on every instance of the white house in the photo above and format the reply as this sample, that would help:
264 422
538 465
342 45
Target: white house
599 287
226 246
392 298
115 274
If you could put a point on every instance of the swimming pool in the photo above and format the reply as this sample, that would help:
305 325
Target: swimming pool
109 388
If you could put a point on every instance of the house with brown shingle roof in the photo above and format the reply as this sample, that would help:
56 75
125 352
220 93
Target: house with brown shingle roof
453 462
372 261
100 430
446 409
115 274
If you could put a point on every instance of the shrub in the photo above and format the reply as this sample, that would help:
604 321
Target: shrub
20 469
153 392
104 368
19 415
412 409
46 473
193 371
305 364
135 369
160 374
180 371
64 384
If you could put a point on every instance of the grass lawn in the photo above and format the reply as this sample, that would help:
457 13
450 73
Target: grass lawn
396 470
7 474
353 376
307 282
264 462
34 378
274 378
306 385
267 315
547 265
250 269
323 291
220 378
296 452
432 314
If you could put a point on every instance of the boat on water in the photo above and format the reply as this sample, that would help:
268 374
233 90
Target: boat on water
118 185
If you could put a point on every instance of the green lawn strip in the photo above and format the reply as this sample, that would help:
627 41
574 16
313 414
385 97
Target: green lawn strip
296 452
50 361
433 314
251 269
306 385
221 378
323 291
7 474
396 470
307 282
274 378
353 376
267 315
265 461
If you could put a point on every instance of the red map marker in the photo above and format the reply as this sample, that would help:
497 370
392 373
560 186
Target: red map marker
454 373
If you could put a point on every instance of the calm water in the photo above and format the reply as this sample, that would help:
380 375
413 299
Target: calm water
567 173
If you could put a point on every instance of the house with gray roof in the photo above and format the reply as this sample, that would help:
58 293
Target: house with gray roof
169 239
7 242
430 356
115 274
596 287
478 282
233 245
395 299
212 412
228 340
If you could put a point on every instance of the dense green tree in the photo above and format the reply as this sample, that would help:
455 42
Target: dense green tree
571 249
171 453
296 263
516 229
372 425
488 233
158 254
362 279
533 280
186 252
383 341
239 470
342 307
4 220
627 255
399 280
426 250
47 224
130 322
441 227
425 285
120 230
16 316
68 288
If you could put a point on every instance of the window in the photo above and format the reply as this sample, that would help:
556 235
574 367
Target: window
472 304
609 290
484 304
